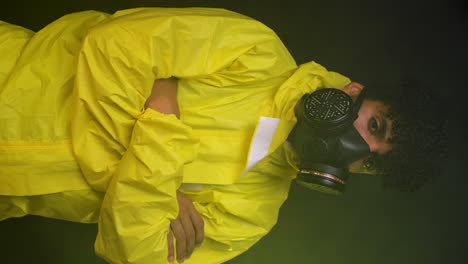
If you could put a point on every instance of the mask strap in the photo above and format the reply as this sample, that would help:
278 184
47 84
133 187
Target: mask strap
359 100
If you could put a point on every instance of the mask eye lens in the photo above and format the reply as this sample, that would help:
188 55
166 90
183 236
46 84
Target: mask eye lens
369 163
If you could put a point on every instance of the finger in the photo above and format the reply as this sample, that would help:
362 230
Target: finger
189 233
170 247
179 234
199 226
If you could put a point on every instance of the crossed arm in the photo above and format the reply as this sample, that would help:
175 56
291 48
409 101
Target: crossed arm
137 157
188 227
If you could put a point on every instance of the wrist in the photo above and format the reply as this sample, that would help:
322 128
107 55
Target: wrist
164 104
163 97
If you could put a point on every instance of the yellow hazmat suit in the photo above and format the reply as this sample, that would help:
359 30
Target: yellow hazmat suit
77 143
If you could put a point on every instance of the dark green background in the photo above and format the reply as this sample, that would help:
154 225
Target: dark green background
368 41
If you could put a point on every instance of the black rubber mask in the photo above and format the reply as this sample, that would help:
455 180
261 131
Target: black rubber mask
326 140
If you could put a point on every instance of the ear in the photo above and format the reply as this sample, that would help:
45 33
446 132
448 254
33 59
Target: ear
353 89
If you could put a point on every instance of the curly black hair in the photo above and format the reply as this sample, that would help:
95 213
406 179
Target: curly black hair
419 132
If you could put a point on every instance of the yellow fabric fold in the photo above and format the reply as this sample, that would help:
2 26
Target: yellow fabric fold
36 73
140 199
12 41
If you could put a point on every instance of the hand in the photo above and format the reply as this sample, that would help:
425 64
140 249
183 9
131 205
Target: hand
163 97
353 89
187 228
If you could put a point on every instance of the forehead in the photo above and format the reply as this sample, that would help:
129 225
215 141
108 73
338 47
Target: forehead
374 106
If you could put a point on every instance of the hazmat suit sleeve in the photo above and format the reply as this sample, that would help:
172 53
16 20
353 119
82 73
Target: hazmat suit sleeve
121 58
238 215
135 155
140 199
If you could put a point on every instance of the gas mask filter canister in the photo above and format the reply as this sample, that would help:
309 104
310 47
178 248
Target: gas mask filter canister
326 140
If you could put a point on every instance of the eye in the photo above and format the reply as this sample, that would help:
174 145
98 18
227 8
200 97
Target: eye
373 126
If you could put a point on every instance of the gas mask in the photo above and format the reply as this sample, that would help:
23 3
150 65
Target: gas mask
326 140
